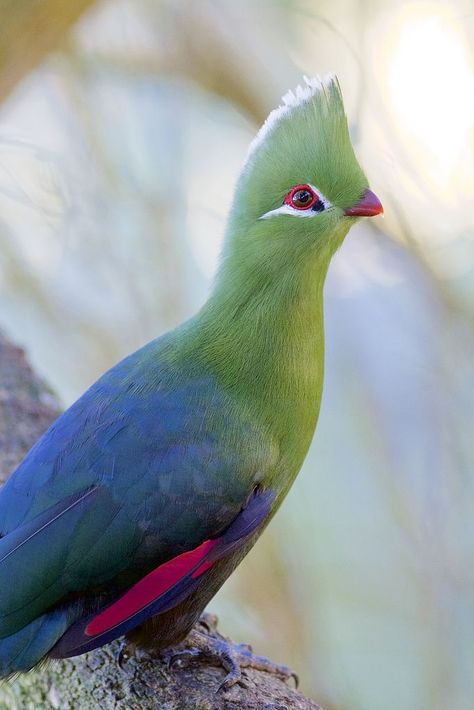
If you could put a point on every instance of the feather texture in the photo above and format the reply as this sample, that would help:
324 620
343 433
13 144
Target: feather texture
133 508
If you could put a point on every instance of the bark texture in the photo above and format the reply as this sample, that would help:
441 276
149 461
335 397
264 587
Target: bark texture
107 678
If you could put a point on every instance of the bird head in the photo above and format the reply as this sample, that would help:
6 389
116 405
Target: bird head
301 187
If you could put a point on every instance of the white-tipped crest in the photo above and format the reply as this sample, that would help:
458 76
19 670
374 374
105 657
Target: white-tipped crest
291 100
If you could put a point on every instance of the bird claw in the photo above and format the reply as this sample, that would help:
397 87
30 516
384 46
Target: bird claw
186 654
232 658
232 678
264 664
209 621
125 654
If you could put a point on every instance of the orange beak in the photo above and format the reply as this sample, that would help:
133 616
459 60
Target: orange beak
368 206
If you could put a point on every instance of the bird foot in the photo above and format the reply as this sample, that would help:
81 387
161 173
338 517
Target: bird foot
126 652
209 621
231 657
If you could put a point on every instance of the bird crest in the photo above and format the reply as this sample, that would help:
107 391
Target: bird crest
304 141
327 87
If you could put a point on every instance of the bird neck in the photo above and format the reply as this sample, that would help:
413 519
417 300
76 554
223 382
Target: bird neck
263 337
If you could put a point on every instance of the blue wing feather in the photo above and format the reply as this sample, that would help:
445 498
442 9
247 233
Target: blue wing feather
245 524
157 448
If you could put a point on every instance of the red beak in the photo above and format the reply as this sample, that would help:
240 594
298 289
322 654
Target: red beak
368 206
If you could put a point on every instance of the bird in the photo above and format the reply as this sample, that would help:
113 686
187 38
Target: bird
134 507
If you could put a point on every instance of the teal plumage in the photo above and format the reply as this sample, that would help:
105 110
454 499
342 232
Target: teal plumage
134 507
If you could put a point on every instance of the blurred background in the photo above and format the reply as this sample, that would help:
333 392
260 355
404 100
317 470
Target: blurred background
123 126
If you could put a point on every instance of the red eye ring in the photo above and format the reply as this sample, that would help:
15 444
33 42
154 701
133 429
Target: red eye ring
301 197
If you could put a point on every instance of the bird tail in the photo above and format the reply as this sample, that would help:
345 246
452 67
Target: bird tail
28 646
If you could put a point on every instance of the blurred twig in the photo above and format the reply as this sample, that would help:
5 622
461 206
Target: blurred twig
29 29
221 52
453 305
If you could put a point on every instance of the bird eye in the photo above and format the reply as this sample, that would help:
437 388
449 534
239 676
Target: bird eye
302 197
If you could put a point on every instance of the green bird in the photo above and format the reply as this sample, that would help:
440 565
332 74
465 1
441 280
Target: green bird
131 511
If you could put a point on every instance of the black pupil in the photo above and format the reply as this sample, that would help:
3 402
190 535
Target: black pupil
302 196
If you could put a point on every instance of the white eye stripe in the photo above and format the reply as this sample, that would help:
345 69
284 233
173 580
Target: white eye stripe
287 209
294 212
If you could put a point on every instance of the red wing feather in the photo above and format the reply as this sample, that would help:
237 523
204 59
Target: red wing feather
166 586
150 587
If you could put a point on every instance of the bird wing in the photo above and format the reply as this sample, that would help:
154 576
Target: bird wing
135 473
164 587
